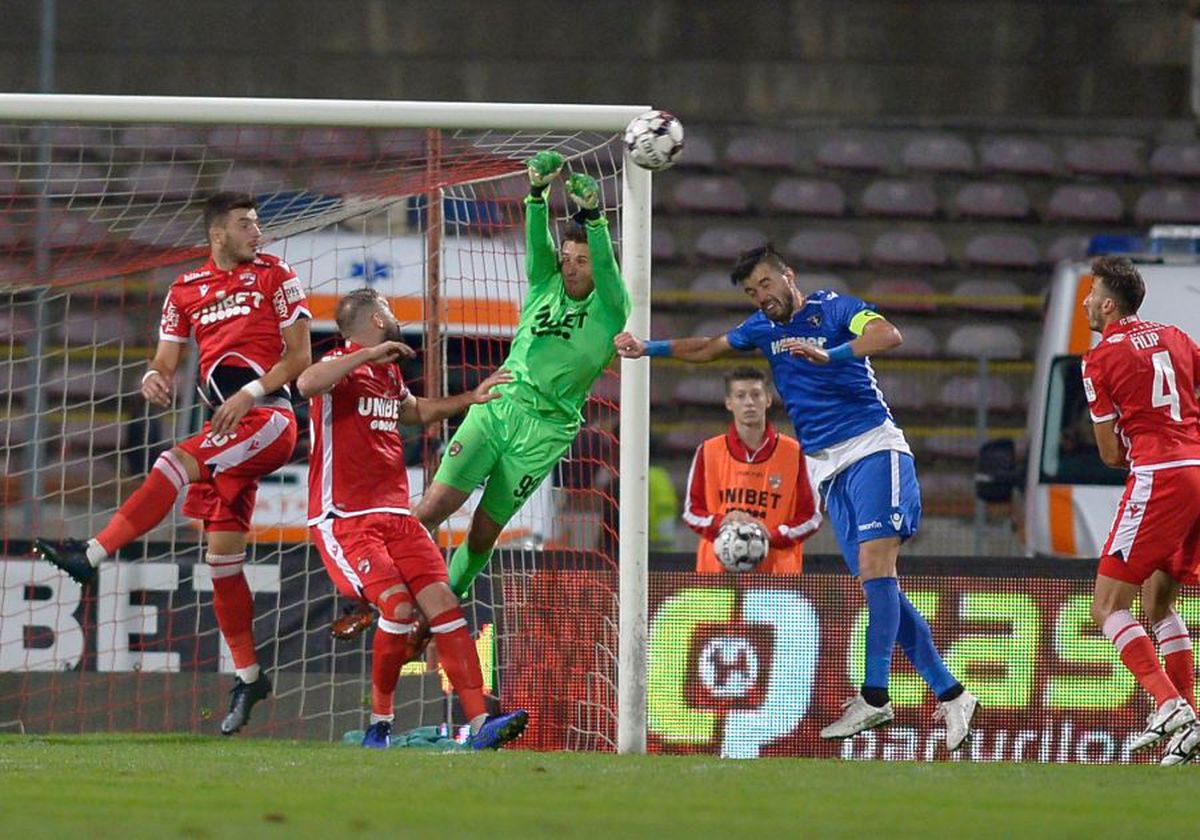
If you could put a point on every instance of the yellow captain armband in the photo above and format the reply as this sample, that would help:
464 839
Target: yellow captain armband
859 322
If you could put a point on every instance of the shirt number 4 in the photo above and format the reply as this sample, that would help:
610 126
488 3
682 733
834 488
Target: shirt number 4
1165 393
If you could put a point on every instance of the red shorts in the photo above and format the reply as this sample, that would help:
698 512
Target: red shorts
1157 527
231 465
368 554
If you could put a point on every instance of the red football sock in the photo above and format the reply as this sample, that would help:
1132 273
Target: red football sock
390 650
147 506
456 649
1137 652
234 605
1175 645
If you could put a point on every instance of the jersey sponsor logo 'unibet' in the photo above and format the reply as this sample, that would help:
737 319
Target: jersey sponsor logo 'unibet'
546 324
383 411
236 305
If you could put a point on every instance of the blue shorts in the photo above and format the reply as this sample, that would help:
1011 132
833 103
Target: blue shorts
874 498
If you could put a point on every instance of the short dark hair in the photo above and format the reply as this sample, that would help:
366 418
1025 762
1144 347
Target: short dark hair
218 204
1123 282
574 232
749 260
351 307
742 373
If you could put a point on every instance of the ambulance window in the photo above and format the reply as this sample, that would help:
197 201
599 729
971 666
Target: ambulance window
1069 452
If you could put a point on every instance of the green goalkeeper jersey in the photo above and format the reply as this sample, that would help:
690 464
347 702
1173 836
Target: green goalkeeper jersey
563 345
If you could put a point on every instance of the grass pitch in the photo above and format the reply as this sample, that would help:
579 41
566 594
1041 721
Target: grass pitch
127 786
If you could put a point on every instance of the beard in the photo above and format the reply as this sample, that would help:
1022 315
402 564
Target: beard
392 332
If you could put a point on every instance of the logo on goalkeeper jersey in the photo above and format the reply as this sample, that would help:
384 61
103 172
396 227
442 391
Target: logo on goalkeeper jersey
545 323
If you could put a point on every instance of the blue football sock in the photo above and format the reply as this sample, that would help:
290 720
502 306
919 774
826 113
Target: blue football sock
883 609
916 640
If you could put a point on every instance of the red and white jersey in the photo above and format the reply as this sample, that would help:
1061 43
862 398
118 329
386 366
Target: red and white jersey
356 465
1142 375
237 315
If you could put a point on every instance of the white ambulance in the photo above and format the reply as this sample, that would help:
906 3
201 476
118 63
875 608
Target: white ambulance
1070 495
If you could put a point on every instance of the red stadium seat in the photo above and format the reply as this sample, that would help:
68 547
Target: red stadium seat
904 390
699 389
1079 203
81 141
1168 204
1107 156
253 179
1017 156
825 247
966 392
904 199
902 295
989 295
710 194
165 141
938 153
83 326
919 342
713 281
983 200
164 181
1000 250
813 282
909 249
1176 160
698 152
252 142
854 152
662 245
991 341
763 150
807 197
727 243
1069 247
402 142
334 144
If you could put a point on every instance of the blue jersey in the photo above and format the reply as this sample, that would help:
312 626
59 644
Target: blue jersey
827 404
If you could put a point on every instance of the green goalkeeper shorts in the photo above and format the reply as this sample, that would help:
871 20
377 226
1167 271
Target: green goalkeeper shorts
509 448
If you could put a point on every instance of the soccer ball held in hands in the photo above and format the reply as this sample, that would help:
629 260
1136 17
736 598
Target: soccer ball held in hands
741 546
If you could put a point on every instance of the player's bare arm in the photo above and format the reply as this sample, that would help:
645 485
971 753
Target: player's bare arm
696 350
1112 452
160 377
426 410
296 358
878 336
323 376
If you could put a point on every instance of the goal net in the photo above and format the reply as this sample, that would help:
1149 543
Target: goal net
99 201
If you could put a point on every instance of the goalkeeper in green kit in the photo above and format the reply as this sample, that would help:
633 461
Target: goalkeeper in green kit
576 305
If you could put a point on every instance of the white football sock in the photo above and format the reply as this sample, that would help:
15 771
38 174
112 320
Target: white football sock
477 723
95 552
248 674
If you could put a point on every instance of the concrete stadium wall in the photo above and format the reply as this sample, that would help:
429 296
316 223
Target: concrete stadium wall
718 60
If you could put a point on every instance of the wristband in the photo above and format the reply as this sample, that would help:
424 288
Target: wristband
585 215
658 348
149 373
537 191
255 388
841 353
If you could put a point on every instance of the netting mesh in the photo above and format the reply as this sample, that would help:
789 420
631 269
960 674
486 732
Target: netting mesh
95 221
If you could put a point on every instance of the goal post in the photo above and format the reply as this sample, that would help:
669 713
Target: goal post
77 212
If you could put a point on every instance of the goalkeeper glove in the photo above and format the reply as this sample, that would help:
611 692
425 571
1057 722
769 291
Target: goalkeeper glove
543 168
585 192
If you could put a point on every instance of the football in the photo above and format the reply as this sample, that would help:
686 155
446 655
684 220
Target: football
654 140
741 546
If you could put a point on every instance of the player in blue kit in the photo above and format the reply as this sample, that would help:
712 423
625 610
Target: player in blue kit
817 345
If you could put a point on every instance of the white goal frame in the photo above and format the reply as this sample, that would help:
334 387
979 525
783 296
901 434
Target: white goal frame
635 268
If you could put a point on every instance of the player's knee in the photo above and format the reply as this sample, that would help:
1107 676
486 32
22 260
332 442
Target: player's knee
395 603
436 597
179 467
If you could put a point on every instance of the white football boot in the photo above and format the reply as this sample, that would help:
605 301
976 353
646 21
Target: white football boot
858 716
1171 716
1183 746
958 715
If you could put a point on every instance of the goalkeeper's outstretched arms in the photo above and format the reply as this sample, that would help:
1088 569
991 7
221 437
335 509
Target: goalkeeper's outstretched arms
541 258
697 350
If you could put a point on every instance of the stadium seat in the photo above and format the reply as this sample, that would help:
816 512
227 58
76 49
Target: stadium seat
1068 247
905 199
80 382
727 243
251 142
991 341
853 152
402 143
699 389
966 392
1017 156
1002 250
72 230
807 197
333 144
909 249
712 281
989 295
710 194
953 486
950 445
685 438
79 473
163 181
662 245
162 141
919 342
663 325
699 152
712 327
904 390
84 326
1180 205
825 247
983 200
70 179
1106 156
168 231
15 327
938 153
1080 203
813 282
763 150
73 142
87 433
902 295
252 179
1176 160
